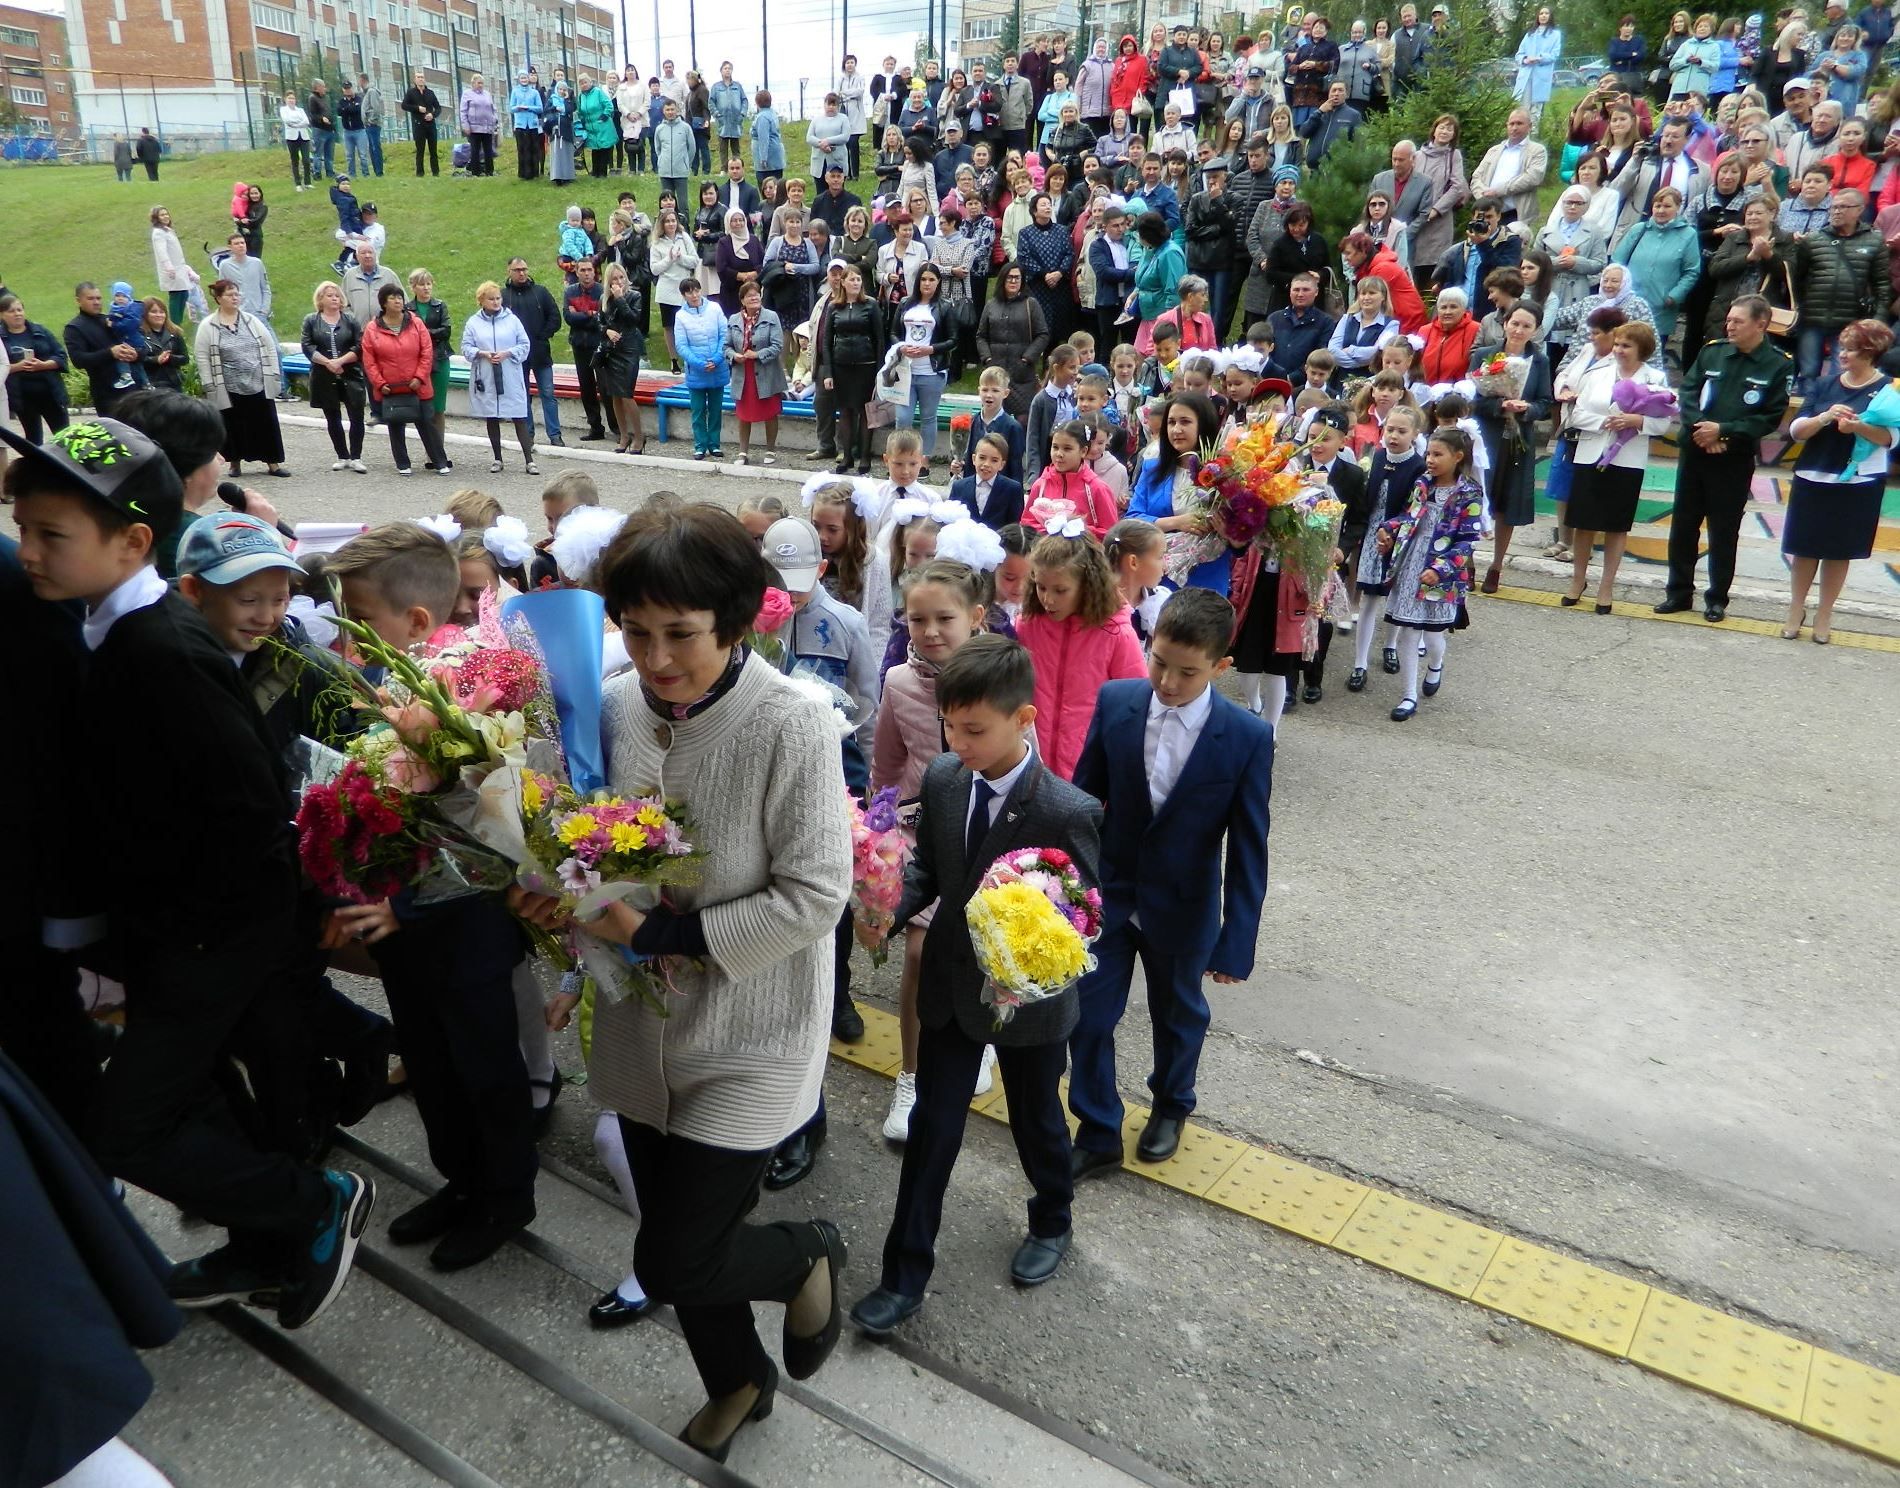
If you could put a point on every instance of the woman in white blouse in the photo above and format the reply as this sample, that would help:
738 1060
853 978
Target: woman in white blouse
296 124
1603 499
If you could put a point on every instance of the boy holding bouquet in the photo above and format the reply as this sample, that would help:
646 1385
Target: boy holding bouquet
1177 768
990 795
447 969
202 914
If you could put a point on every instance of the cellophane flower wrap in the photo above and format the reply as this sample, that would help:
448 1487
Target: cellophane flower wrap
591 851
1032 920
1502 376
765 637
1631 396
878 851
1243 481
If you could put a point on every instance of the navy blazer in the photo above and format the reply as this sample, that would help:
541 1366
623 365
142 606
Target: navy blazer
1005 504
1041 810
1167 866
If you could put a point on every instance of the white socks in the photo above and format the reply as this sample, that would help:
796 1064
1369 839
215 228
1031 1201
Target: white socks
1275 701
1409 647
531 1029
1435 650
1250 689
612 1151
1369 605
115 1465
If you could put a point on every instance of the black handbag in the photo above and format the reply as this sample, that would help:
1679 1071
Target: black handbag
402 408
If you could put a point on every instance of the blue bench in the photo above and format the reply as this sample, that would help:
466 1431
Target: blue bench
669 400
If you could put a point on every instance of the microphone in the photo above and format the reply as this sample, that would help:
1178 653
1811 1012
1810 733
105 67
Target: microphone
232 494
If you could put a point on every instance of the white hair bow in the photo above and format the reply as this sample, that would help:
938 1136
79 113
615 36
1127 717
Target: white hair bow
945 512
971 543
908 509
580 539
318 620
443 526
1074 527
508 541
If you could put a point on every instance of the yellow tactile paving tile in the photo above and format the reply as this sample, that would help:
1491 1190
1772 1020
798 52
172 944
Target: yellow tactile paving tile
1583 1303
1780 1376
1741 624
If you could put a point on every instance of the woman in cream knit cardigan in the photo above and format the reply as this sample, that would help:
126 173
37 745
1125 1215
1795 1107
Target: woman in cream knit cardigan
705 1094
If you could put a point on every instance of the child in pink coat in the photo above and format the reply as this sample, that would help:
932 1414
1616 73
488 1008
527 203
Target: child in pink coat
1067 487
1079 634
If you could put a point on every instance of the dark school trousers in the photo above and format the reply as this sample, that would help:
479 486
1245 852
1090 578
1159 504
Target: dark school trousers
1711 489
449 977
45 1029
1176 1006
697 1252
163 1123
947 1064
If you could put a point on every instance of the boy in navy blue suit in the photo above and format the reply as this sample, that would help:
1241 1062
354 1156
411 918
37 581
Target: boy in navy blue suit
989 796
993 498
1177 767
992 387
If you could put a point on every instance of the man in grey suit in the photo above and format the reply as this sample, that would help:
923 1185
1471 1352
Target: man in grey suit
992 795
1409 190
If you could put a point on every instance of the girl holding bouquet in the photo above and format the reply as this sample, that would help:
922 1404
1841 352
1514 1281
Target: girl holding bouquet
1612 450
1165 493
1429 547
943 608
1513 394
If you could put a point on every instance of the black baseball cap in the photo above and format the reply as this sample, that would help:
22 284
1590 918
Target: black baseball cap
114 462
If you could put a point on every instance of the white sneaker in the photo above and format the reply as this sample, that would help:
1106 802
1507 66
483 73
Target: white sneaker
339 464
984 1072
494 467
359 467
897 1124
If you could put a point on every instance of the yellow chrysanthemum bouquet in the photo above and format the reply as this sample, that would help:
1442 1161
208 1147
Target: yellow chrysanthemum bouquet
1031 921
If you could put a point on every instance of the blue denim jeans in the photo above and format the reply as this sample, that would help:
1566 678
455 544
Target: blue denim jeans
543 379
708 418
926 391
355 150
1810 360
323 152
375 133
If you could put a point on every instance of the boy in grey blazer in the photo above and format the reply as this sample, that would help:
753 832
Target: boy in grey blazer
988 797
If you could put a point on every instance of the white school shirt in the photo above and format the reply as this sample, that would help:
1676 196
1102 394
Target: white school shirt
1168 741
144 588
1002 787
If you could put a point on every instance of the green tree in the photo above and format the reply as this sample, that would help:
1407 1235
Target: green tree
1009 41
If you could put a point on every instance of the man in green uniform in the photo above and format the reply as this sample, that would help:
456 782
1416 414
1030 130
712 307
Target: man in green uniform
1732 397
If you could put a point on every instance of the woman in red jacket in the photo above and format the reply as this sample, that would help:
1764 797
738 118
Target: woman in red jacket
398 360
1363 256
1130 78
1449 336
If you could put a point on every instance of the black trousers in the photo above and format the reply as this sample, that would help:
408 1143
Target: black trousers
1313 672
425 140
591 401
947 1065
528 153
37 410
163 1123
481 154
855 386
299 151
449 978
45 1030
1711 489
697 1252
347 397
431 441
600 162
824 408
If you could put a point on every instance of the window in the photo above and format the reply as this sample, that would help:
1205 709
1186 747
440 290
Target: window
985 28
15 36
464 24
274 18
31 97
435 59
22 67
44 126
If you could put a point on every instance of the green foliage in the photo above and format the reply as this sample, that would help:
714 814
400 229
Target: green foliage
1337 190
1010 42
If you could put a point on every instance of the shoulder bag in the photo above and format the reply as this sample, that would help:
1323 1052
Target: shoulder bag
1781 322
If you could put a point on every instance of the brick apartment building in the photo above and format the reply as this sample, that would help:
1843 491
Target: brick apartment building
197 67
36 88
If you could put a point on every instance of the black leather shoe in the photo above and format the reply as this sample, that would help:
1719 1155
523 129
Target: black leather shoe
543 1115
1292 698
1406 708
1037 1257
804 1357
1434 679
1357 681
847 1023
614 1311
878 1313
1672 607
1715 614
1085 1163
433 1218
1312 694
1159 1139
797 1155
1389 661
478 1237
768 1397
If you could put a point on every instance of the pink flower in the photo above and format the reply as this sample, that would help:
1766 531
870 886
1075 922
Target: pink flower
774 612
575 878
415 723
407 773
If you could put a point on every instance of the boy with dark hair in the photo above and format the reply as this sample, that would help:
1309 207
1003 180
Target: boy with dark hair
448 970
1177 768
202 911
988 796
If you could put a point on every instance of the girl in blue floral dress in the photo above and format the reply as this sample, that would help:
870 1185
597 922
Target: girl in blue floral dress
1430 545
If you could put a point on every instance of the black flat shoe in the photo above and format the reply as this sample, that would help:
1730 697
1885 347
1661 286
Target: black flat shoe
878 1313
792 1163
768 1397
543 1115
1160 1139
847 1023
1434 679
1312 694
1715 614
479 1236
1037 1258
1357 681
1389 661
1087 1163
804 1357
614 1311
433 1218
1405 710
1671 607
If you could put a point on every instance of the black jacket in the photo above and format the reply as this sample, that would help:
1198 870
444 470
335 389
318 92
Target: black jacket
1843 279
38 342
852 336
148 149
419 101
1209 224
317 107
89 346
218 857
169 374
534 307
349 112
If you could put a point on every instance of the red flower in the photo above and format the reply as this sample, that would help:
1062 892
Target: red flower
510 676
1055 857
959 423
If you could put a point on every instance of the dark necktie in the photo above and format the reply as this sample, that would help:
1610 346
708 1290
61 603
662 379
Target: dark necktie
981 794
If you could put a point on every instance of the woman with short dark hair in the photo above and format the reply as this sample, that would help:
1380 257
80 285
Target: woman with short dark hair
705 1092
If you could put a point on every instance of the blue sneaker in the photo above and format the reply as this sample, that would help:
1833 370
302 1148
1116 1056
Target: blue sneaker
322 1264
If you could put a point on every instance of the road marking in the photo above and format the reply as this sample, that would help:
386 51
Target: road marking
1768 1371
1626 610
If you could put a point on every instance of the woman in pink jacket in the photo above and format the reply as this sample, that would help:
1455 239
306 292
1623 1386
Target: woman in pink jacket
1079 635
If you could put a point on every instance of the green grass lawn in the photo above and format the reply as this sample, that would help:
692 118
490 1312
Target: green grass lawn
68 223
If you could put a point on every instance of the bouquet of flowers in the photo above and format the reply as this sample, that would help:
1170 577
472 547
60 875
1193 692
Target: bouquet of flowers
358 840
1631 396
764 636
1238 484
878 851
1502 376
1031 923
1882 412
1306 537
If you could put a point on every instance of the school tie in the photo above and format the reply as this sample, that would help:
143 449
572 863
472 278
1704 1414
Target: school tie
981 794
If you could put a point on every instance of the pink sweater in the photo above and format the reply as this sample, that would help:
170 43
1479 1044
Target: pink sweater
909 733
1073 660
